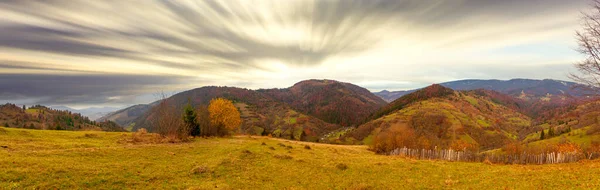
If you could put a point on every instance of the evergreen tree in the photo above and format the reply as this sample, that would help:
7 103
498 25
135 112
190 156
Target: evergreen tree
542 137
24 108
551 132
189 119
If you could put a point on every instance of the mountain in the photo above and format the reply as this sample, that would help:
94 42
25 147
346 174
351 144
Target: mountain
331 101
391 96
304 111
261 114
93 113
40 117
526 89
125 117
440 117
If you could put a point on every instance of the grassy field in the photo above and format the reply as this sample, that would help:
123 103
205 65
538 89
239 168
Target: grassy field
82 160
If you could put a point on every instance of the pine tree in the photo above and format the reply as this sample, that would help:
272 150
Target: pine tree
542 137
189 119
24 108
551 132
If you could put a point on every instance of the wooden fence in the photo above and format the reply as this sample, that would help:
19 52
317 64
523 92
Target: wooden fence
467 156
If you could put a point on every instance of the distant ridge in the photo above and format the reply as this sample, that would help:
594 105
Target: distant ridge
513 87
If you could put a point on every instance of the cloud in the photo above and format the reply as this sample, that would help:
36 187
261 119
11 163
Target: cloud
68 45
83 89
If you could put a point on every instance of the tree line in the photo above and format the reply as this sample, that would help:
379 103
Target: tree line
219 118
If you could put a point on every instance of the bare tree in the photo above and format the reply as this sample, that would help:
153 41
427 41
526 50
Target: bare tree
588 40
167 122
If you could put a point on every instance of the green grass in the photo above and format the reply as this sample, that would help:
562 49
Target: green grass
468 139
31 111
71 160
483 123
292 120
472 101
130 127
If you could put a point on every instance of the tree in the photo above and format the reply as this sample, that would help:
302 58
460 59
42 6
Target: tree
203 120
189 119
542 135
24 107
167 122
551 132
224 116
588 40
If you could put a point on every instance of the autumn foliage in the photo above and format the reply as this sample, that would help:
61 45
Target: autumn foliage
224 116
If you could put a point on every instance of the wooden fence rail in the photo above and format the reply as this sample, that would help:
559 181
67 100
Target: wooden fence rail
467 156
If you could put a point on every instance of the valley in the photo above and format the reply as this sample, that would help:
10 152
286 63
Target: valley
478 115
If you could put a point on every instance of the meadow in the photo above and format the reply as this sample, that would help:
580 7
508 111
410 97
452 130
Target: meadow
43 159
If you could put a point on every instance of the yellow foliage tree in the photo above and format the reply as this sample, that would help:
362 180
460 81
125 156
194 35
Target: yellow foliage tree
224 117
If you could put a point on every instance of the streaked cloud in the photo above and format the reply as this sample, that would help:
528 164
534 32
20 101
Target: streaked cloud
51 51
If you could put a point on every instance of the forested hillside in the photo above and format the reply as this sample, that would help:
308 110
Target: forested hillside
332 101
40 117
440 117
261 114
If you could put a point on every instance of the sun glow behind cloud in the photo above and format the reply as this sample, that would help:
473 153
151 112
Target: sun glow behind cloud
264 44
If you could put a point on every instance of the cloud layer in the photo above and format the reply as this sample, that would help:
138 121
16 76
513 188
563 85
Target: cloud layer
110 52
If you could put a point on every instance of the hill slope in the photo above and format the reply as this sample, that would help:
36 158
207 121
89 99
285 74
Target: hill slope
40 117
261 114
332 101
439 116
126 116
579 124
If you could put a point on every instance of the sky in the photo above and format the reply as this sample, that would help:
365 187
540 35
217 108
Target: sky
118 53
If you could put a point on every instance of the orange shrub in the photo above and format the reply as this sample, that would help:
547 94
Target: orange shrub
568 147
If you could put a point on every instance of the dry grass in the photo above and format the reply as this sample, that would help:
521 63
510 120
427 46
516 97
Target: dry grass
40 159
143 137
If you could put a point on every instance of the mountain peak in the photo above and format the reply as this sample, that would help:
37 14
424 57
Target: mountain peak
434 90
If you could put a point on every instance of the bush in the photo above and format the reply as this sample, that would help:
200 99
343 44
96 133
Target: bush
341 166
200 170
91 135
306 147
143 137
283 157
